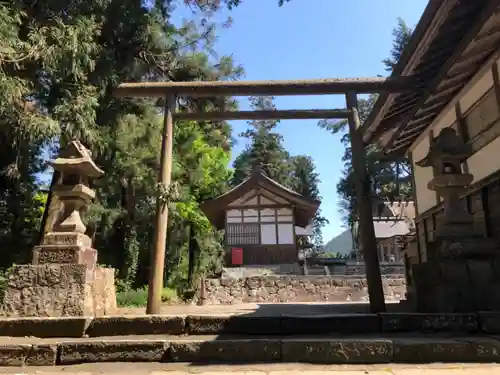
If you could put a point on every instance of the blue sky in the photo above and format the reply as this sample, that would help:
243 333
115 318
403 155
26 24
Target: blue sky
313 39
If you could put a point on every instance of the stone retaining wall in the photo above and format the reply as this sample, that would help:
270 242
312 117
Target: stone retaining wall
358 269
269 289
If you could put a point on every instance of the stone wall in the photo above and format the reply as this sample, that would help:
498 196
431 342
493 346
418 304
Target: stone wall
358 269
275 289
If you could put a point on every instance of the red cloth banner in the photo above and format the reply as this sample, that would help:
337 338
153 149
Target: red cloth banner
237 256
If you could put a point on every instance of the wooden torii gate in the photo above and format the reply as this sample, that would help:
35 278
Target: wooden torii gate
348 87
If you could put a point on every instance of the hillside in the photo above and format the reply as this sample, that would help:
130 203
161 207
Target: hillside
340 244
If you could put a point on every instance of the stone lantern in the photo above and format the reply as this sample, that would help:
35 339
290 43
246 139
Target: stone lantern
455 228
64 279
445 156
76 168
458 268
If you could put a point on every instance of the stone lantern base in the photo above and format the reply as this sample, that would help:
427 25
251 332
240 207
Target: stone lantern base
62 281
462 284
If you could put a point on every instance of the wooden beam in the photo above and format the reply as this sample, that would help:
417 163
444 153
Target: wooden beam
364 208
476 25
265 115
161 217
261 88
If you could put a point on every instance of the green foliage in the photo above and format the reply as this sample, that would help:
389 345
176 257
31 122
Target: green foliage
306 182
58 62
139 297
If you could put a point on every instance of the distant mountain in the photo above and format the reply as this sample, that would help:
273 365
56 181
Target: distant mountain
341 244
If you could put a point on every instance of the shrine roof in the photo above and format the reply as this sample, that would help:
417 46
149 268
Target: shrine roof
388 228
304 208
451 43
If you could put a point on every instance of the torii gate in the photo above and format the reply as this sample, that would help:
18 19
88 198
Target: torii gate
348 87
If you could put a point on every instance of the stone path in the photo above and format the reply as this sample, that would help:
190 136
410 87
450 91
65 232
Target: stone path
265 309
267 369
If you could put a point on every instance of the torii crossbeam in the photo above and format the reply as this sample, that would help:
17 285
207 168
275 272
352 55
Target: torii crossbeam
349 87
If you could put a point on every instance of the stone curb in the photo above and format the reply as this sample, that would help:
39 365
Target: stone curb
345 324
255 350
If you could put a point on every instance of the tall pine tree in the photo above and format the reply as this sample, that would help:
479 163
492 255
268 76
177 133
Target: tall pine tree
265 149
306 181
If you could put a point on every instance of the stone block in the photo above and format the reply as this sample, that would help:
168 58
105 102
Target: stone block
139 350
14 355
453 272
212 325
42 355
489 321
426 275
341 351
66 239
225 350
482 349
64 254
330 324
136 325
424 322
104 291
427 350
59 290
55 290
44 327
480 271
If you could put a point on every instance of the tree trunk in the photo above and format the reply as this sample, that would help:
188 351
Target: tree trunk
193 250
51 209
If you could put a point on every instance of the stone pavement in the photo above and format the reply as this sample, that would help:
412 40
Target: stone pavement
264 369
266 309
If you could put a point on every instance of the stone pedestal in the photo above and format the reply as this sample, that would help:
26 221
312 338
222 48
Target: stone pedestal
63 280
458 285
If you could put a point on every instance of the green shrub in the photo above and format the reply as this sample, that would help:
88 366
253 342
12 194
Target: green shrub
168 295
132 297
139 297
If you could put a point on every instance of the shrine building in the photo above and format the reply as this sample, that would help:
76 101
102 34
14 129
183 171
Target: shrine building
449 127
261 220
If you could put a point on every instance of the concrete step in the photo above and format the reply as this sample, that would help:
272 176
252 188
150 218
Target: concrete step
227 349
253 324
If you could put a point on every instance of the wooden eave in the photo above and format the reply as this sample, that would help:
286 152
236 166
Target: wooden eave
304 209
451 43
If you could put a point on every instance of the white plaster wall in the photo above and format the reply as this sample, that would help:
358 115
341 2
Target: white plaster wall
486 161
268 234
425 198
285 234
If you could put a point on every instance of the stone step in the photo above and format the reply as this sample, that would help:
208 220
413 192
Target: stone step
252 324
243 349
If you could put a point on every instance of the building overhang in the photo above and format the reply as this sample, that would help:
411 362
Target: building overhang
449 46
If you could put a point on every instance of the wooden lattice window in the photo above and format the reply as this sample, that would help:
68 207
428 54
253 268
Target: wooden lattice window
242 234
